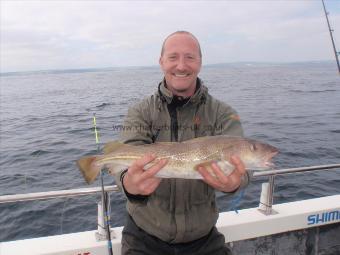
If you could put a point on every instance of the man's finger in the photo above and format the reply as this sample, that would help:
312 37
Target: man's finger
139 164
209 179
150 185
153 170
219 174
239 166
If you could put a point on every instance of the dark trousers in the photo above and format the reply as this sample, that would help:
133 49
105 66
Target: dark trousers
136 241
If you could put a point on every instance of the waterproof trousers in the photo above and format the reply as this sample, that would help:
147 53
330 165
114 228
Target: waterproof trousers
136 241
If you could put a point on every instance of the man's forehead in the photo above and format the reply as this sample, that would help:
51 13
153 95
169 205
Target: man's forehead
185 41
181 35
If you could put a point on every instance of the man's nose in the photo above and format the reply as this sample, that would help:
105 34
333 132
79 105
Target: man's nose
181 64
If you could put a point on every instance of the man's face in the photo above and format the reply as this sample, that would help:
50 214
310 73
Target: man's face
181 63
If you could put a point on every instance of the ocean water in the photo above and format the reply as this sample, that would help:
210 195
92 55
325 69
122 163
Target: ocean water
46 125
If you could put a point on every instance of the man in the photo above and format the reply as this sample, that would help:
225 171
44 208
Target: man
176 216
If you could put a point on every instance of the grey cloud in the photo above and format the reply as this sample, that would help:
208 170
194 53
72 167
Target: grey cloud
95 34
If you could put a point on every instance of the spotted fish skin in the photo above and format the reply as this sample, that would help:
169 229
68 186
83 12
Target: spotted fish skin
184 158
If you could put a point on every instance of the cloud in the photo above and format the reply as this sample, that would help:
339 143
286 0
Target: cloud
39 35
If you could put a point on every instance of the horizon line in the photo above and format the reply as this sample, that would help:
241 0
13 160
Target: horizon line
92 69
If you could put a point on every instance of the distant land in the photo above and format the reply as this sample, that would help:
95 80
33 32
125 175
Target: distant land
234 64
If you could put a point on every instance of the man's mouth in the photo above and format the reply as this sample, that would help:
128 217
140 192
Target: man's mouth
181 75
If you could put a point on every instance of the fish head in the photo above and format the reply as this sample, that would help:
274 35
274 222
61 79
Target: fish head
255 155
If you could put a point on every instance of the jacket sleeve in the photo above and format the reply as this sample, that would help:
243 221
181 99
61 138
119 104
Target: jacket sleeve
136 131
229 123
136 127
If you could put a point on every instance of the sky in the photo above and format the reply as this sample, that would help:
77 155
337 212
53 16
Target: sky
57 34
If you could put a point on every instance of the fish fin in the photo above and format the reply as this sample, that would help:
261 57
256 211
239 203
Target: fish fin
165 143
112 146
88 168
197 139
116 168
225 166
205 164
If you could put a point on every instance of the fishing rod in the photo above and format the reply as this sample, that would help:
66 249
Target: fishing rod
331 34
104 195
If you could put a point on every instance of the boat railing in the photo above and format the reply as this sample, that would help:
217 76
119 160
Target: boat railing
266 200
56 194
267 192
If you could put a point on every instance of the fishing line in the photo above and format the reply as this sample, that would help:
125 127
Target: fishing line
62 216
25 182
104 195
236 201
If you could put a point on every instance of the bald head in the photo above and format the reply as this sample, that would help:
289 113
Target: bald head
185 33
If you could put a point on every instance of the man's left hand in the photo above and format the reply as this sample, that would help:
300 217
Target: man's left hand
222 182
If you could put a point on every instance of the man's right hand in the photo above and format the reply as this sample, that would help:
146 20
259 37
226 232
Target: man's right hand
138 181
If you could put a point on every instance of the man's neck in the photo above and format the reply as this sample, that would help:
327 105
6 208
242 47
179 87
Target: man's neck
184 94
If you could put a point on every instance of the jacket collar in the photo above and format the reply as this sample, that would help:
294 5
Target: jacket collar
199 96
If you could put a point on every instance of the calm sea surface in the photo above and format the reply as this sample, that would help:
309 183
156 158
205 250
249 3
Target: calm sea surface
46 125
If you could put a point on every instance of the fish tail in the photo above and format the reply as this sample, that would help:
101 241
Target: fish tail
88 168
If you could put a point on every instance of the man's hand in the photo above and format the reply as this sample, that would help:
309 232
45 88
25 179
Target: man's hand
137 181
222 182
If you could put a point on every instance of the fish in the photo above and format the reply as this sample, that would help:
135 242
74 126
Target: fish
184 158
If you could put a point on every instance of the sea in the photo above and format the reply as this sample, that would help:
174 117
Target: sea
46 125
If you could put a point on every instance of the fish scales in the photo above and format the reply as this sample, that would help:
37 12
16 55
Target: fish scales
184 158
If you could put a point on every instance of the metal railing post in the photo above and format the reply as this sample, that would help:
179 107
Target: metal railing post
267 197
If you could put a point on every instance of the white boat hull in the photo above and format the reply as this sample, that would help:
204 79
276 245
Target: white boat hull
244 225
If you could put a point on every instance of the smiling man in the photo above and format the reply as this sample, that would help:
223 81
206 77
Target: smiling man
181 61
177 216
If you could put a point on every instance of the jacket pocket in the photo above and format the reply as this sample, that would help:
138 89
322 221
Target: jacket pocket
199 192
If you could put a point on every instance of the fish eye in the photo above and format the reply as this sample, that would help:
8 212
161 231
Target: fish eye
253 147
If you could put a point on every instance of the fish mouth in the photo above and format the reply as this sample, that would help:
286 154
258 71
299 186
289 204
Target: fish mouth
269 164
267 161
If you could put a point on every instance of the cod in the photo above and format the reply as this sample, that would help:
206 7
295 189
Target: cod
184 158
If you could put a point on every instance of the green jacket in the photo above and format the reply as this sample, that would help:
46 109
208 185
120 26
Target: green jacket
179 210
